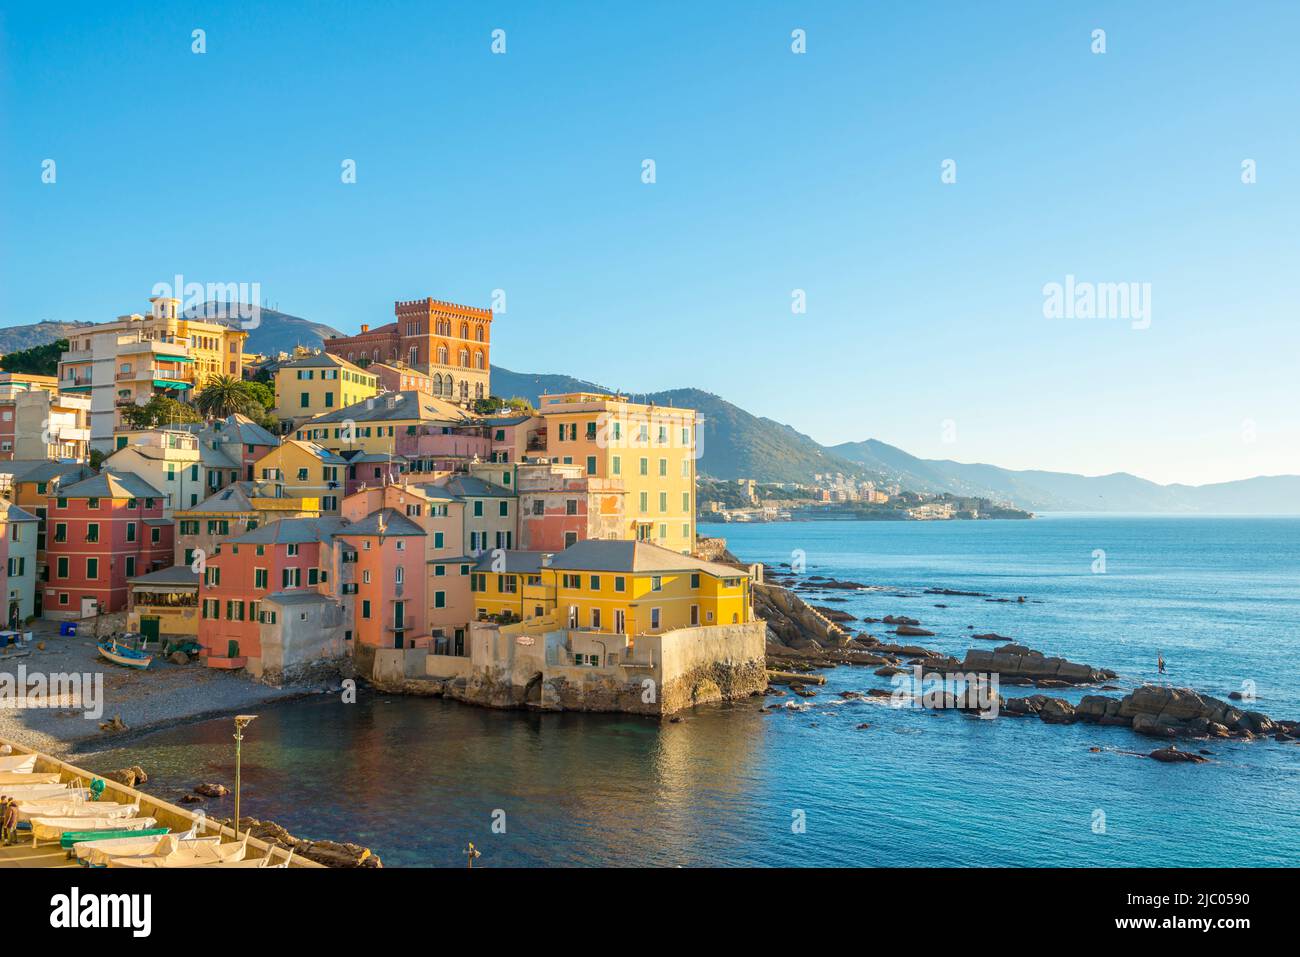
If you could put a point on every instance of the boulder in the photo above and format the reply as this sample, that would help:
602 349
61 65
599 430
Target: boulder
212 790
1172 755
131 777
179 658
912 631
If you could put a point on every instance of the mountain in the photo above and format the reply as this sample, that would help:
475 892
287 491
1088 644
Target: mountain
277 331
17 338
1040 490
735 443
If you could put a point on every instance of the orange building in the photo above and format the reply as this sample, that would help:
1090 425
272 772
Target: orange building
446 341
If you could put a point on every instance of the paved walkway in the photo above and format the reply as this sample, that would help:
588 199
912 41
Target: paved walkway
24 855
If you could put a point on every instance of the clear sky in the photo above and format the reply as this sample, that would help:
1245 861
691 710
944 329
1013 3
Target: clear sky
774 172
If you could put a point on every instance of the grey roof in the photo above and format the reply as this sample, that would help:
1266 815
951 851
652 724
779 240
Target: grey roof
395 523
110 484
322 453
232 498
321 360
173 575
357 457
217 458
517 562
622 556
15 514
507 420
397 405
301 597
290 531
249 432
44 470
467 486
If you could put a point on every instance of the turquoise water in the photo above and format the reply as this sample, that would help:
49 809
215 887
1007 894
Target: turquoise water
416 779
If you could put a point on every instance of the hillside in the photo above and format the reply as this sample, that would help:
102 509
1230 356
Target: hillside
736 444
17 338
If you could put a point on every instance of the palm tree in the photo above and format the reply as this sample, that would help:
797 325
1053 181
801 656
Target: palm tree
224 395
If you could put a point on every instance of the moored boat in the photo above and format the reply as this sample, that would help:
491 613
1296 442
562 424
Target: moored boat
121 655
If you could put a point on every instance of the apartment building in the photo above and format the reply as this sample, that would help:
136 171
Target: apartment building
296 469
232 512
17 563
560 505
101 532
651 449
37 421
132 359
312 385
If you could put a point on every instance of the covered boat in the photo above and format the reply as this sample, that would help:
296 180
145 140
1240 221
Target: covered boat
53 828
172 852
37 792
99 853
56 807
30 777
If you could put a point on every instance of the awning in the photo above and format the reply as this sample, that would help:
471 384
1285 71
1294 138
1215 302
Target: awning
175 358
170 384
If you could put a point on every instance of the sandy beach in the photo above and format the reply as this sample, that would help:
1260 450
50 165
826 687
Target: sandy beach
164 695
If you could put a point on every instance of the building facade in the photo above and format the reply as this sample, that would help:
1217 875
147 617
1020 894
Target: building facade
448 342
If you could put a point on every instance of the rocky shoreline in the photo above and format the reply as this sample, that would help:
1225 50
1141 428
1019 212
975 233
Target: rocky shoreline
805 638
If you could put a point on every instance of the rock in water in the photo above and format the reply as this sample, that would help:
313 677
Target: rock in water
1172 755
212 790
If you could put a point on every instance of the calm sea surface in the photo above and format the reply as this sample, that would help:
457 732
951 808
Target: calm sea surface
415 779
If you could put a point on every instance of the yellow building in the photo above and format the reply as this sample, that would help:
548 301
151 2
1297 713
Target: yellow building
303 470
232 512
164 603
132 359
618 587
650 448
319 383
512 585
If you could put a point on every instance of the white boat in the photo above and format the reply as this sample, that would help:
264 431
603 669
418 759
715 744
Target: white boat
99 853
36 792
56 807
52 828
18 763
171 852
29 777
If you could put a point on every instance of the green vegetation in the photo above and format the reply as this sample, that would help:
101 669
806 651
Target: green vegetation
38 360
495 405
224 395
158 411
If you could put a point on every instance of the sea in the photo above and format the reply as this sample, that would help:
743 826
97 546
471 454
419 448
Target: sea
849 782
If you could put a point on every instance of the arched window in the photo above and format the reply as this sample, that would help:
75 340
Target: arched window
464 330
437 383
376 355
442 355
449 386
478 359
478 390
464 389
478 333
464 358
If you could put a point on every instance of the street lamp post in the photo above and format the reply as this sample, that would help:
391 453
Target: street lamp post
242 721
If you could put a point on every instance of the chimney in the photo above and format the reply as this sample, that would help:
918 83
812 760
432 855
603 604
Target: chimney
365 327
546 559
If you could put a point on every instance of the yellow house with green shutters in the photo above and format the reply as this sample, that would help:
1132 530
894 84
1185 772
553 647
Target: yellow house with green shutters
303 470
317 384
617 587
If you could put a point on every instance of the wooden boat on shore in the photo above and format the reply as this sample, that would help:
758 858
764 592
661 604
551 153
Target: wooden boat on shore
30 777
18 763
121 655
255 864
37 792
62 807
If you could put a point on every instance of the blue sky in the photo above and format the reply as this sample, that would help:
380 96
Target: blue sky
775 172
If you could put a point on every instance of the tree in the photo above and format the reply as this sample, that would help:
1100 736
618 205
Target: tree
263 393
38 360
224 395
158 411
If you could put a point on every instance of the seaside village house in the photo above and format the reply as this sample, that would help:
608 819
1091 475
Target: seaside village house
17 563
137 357
101 532
314 384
